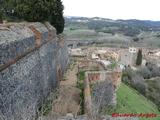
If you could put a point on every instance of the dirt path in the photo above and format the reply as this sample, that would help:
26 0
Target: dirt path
71 77
69 95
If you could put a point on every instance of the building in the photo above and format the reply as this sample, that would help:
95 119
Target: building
128 57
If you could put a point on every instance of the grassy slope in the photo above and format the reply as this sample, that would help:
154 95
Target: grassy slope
130 101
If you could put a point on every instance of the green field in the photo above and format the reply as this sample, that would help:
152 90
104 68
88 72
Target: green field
130 101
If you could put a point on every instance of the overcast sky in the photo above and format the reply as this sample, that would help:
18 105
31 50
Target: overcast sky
114 9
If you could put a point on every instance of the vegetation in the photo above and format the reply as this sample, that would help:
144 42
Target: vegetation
1 11
136 39
46 107
149 71
81 75
145 80
153 90
35 10
139 58
1 17
80 85
130 101
56 16
113 65
127 27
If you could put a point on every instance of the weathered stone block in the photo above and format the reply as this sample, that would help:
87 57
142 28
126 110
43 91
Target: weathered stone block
40 31
14 43
51 29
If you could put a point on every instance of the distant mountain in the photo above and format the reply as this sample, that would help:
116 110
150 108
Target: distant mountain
128 27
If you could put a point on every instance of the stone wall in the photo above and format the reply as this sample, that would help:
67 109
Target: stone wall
32 61
99 76
102 91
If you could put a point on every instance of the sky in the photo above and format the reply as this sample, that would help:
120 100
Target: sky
114 9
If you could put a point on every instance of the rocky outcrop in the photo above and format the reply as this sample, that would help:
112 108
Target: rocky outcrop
32 61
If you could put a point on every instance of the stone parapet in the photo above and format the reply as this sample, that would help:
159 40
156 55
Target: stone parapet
17 40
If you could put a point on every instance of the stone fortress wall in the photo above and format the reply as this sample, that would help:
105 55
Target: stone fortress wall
32 61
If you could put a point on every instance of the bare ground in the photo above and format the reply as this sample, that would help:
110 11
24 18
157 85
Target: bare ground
69 96
71 77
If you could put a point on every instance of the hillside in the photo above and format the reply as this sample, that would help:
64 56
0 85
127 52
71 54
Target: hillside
128 27
145 33
130 101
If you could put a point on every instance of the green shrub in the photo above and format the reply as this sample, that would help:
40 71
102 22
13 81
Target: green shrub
80 85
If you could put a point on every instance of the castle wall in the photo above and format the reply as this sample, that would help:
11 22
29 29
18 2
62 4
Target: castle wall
30 54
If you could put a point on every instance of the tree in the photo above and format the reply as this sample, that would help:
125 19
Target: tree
36 11
1 17
1 13
56 18
145 72
139 57
32 10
